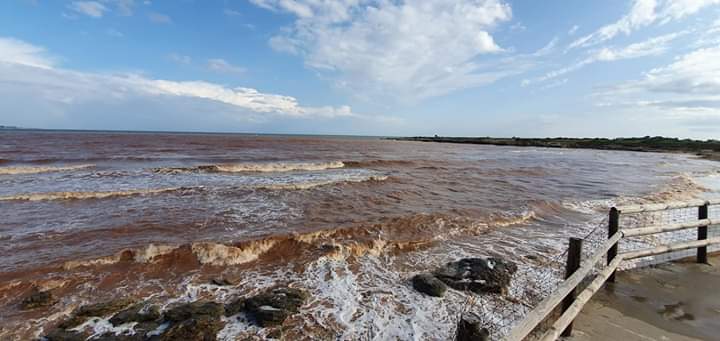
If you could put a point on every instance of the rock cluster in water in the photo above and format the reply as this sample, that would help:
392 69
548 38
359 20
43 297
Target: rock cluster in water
479 275
194 321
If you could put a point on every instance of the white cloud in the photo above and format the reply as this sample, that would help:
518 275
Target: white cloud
688 87
644 13
26 67
159 18
15 51
651 47
222 66
180 59
380 48
90 8
573 29
231 12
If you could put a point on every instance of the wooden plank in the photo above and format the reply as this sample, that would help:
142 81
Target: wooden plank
668 228
572 265
670 248
571 313
702 234
613 227
541 311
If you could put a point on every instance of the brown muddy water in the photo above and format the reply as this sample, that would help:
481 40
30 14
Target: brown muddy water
97 215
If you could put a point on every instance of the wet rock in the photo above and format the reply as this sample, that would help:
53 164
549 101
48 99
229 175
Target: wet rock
429 284
196 309
64 335
120 337
223 281
235 307
272 307
37 299
83 313
203 328
479 275
136 313
469 329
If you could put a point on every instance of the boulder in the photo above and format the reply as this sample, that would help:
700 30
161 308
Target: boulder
469 329
64 335
272 307
229 279
201 328
479 275
37 299
428 284
119 337
136 313
235 307
195 310
83 313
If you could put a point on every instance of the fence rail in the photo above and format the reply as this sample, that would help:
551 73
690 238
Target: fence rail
565 292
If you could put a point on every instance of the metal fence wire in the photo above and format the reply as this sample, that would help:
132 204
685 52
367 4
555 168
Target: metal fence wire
531 284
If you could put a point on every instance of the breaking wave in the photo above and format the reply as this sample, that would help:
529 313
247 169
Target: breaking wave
88 195
396 235
37 169
254 167
313 184
378 163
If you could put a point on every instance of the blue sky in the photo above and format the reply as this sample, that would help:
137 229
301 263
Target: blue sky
369 67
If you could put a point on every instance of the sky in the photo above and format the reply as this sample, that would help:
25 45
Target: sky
364 67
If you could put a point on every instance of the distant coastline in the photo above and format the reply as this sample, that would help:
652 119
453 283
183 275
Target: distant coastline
709 149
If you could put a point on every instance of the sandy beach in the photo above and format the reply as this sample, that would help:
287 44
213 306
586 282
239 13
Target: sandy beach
672 301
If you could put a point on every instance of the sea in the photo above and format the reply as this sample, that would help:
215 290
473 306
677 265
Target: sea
156 216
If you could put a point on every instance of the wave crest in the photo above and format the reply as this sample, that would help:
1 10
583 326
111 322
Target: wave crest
37 169
87 195
269 167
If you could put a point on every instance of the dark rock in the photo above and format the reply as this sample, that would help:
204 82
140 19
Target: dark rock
194 310
136 313
223 281
64 335
120 337
272 307
37 299
235 307
429 284
100 310
203 328
469 329
479 275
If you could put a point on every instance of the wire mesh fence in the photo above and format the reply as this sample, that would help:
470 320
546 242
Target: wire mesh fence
532 284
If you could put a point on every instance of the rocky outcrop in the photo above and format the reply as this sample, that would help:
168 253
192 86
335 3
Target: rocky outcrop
200 328
272 307
479 275
428 284
84 313
469 329
37 299
136 313
194 310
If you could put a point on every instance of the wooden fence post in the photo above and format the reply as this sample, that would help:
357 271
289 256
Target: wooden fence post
573 263
613 226
702 234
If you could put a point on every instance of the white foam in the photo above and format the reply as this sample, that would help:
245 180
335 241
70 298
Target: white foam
279 166
38 169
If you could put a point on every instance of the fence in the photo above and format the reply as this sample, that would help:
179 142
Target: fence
638 222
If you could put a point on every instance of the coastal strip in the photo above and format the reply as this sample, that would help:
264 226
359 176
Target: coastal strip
709 149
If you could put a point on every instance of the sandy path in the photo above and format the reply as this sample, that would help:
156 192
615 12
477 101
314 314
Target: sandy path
674 301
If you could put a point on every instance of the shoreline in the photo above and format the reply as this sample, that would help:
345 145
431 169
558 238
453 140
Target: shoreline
708 150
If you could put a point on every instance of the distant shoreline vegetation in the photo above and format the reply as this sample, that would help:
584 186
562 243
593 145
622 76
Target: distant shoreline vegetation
709 149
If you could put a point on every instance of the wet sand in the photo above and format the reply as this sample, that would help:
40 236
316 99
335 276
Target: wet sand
673 301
